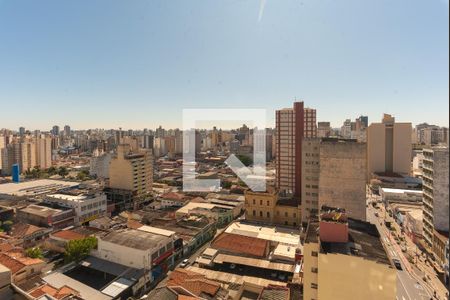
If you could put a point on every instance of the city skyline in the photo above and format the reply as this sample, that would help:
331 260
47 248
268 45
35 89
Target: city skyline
137 65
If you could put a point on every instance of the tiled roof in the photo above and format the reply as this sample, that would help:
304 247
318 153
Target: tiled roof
13 264
5 247
241 244
47 289
273 292
68 235
22 229
173 196
134 224
193 282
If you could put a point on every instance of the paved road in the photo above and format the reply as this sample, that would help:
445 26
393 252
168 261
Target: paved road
408 287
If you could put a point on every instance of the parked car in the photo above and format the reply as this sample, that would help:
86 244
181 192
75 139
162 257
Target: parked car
397 264
184 263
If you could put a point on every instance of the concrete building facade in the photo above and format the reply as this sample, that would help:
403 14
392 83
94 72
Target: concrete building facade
132 171
389 147
435 192
310 177
292 125
342 176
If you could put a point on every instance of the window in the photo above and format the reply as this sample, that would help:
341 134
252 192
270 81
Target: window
314 286
254 202
254 213
286 223
260 213
314 253
268 214
260 202
268 203
286 214
295 215
314 270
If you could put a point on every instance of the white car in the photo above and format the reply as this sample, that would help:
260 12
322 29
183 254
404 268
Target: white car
184 263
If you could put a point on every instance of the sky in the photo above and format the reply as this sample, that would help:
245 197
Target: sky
138 64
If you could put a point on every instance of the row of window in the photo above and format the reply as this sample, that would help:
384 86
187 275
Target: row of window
286 214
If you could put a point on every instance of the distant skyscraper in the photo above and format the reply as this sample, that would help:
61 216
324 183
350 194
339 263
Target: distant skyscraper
21 131
292 125
389 147
55 130
67 131
364 121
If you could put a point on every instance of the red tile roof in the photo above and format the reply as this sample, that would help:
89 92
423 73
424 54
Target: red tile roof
13 264
241 244
193 282
60 293
22 229
173 196
68 235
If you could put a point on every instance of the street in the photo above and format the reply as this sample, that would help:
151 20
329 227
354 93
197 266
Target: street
410 285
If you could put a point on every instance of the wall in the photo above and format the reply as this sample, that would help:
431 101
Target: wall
359 278
342 177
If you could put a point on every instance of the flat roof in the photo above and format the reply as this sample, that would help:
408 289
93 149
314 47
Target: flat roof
254 262
132 238
364 242
265 232
193 205
401 191
39 210
35 187
59 280
156 230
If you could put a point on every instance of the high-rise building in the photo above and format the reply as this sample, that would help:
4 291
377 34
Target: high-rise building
364 121
310 177
2 146
21 131
132 171
389 147
292 125
55 130
333 173
346 129
67 131
43 151
323 129
435 192
342 176
20 151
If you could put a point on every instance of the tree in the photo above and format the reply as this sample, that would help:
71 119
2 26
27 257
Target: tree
63 172
52 171
76 250
7 225
34 252
247 161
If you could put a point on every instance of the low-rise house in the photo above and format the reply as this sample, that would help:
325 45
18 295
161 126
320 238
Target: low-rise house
21 267
26 235
173 199
46 216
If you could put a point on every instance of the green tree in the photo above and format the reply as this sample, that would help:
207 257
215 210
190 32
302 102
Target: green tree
7 225
63 172
76 250
34 252
52 171
247 161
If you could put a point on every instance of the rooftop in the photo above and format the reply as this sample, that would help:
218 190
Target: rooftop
241 244
274 292
41 210
35 187
132 238
364 241
266 232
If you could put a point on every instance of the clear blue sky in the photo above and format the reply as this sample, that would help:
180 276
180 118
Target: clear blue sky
137 64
